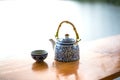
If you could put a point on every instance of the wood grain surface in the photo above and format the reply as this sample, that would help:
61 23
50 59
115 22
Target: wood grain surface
99 59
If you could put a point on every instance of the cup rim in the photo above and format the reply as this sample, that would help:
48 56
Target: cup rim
39 52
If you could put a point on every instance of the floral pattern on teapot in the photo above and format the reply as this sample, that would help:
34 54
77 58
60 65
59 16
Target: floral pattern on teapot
66 53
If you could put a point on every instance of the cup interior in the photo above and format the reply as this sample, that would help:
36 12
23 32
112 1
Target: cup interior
38 52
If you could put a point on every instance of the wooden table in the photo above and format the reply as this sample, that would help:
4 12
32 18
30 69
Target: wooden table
99 59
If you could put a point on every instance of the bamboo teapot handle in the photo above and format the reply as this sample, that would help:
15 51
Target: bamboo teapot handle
68 22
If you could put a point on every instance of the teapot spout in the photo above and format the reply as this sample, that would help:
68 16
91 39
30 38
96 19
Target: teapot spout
53 42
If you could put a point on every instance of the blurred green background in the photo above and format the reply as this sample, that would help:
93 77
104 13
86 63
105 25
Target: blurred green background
114 2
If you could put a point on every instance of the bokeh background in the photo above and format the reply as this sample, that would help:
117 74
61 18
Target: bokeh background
27 25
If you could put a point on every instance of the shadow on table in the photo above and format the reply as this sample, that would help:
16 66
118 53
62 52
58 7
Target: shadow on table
39 66
66 69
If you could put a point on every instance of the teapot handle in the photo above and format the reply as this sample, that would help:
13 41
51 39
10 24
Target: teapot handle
77 36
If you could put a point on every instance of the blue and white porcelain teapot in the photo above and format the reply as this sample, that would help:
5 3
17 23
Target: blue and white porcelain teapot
66 49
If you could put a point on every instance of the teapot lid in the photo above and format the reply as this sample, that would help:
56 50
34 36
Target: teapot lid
66 40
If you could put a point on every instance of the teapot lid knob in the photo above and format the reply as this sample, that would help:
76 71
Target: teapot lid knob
66 35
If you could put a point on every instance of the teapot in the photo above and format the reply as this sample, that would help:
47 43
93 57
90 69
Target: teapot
66 49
